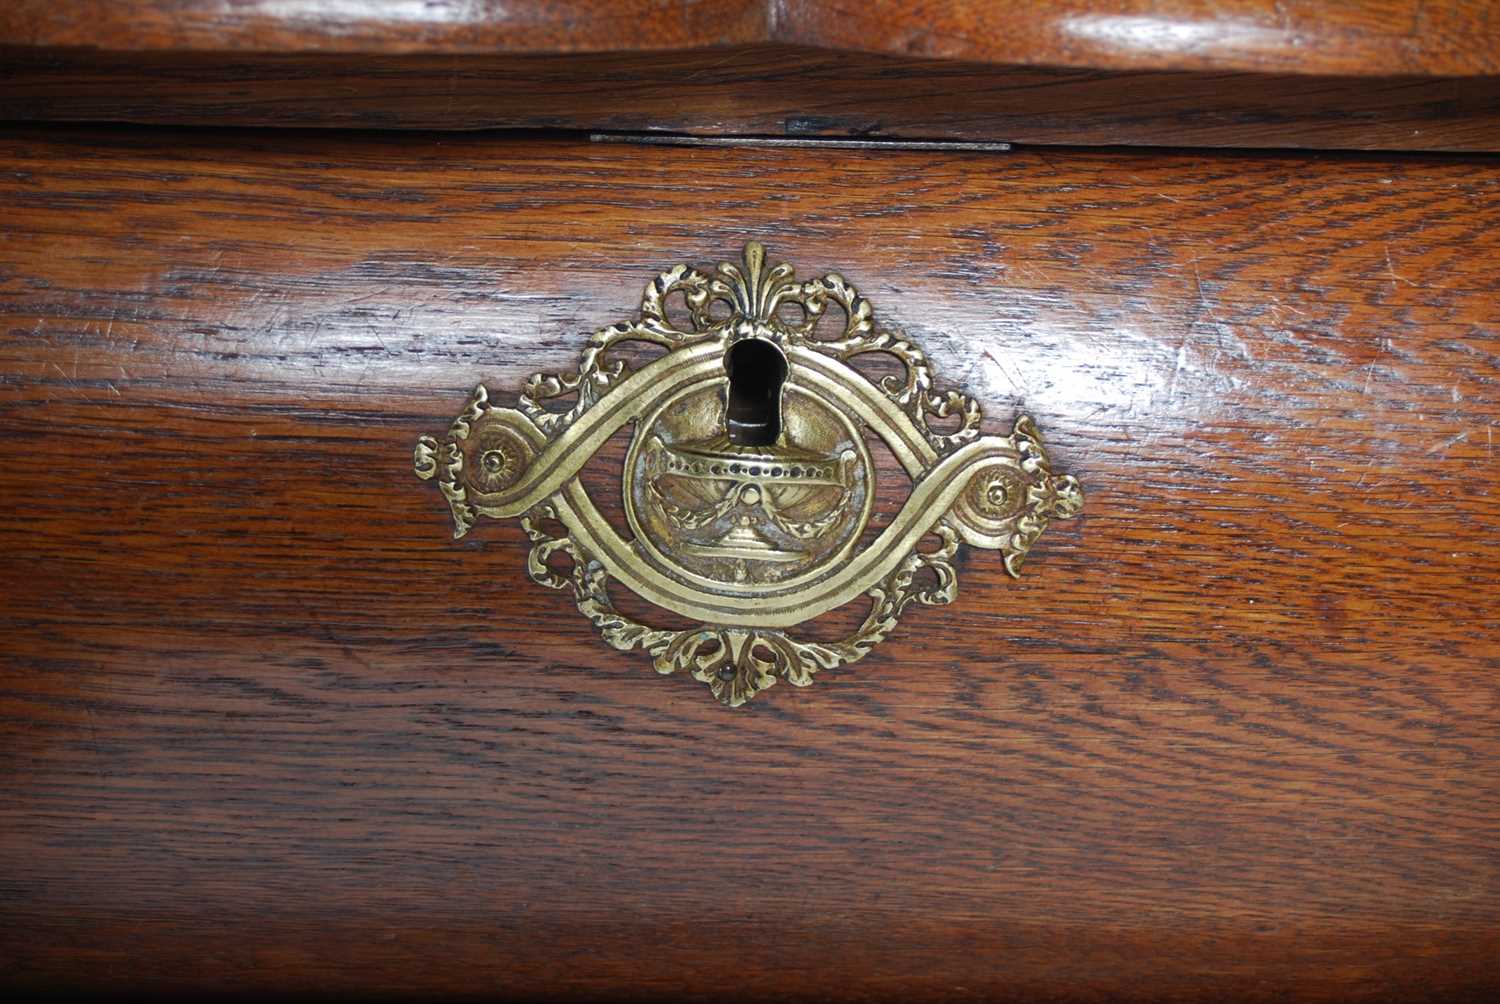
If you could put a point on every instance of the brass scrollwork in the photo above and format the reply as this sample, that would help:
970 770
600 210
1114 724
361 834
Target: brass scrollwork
749 537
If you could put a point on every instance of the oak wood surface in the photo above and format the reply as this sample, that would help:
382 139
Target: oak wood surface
774 90
264 726
1359 74
1361 37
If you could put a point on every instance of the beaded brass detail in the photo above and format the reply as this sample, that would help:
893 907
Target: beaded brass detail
749 539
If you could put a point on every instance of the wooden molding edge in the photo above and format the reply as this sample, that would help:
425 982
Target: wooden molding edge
1304 37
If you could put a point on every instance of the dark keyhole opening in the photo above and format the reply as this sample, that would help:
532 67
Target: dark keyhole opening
757 369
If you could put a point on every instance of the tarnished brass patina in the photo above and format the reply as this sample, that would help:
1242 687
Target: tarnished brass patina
748 498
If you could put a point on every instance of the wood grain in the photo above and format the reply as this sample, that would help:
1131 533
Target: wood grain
1373 37
773 90
1361 37
1361 74
268 729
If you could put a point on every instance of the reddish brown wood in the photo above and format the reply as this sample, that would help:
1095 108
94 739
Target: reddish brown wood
392 26
1362 74
265 727
1362 37
765 89
1376 37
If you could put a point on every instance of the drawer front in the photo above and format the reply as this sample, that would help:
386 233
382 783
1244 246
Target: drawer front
268 726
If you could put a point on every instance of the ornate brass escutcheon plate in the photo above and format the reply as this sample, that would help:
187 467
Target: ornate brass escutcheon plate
748 485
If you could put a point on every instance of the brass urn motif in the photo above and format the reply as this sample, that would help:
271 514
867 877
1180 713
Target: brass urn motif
748 485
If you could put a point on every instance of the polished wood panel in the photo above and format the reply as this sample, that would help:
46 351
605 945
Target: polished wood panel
1234 735
1375 37
1368 74
1444 38
765 89
389 26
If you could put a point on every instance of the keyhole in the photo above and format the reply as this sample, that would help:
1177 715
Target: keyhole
757 369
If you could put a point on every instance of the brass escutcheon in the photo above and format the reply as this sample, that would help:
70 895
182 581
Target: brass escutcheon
748 486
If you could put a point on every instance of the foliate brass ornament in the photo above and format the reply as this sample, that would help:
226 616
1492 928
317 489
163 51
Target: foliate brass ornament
750 540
